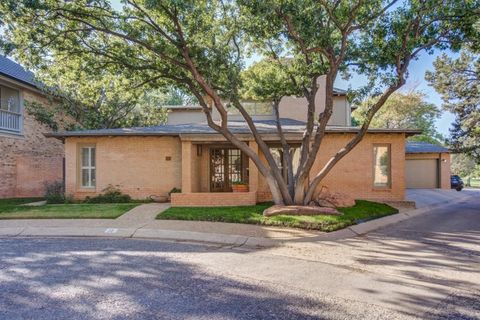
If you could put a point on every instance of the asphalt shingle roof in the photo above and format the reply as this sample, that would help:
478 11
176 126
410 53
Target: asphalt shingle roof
15 71
239 127
424 147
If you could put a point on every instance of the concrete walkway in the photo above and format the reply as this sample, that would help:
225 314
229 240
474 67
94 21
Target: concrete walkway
140 223
141 215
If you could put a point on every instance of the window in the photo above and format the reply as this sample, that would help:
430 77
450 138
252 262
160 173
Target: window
381 166
10 110
87 167
277 154
9 99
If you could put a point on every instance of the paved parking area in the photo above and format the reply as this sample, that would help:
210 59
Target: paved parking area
427 197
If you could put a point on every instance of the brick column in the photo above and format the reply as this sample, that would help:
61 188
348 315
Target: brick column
186 166
253 170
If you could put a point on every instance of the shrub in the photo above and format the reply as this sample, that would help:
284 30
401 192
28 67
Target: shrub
110 194
239 183
55 192
174 190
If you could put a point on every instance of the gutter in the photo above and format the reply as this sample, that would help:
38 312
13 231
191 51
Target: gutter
67 134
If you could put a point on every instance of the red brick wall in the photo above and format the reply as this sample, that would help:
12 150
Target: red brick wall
29 160
353 174
139 166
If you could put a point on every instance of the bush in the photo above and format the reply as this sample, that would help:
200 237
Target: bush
111 194
55 192
174 190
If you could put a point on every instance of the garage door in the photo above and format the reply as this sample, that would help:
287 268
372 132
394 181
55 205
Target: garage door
422 173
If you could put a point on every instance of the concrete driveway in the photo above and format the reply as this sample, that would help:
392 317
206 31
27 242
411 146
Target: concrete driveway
427 197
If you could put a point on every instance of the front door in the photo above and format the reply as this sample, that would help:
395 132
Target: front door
226 166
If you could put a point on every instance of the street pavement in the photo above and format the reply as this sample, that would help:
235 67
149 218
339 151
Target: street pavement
426 267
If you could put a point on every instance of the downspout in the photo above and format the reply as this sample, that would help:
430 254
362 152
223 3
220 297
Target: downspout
439 180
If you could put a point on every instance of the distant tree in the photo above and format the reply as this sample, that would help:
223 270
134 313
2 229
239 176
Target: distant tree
458 82
465 166
95 96
404 111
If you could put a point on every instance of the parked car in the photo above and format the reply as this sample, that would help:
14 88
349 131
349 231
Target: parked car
456 182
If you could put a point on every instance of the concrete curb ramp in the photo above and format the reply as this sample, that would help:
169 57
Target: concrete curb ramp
213 238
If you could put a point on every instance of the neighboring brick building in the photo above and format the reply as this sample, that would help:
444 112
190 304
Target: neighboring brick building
27 158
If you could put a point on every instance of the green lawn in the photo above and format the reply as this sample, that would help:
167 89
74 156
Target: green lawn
475 183
13 209
362 211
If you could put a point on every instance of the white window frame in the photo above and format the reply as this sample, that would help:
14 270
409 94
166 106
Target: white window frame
90 168
19 113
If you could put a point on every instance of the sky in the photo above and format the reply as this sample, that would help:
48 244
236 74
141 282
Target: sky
416 80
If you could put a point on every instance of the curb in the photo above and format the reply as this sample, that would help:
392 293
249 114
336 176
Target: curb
215 238
130 233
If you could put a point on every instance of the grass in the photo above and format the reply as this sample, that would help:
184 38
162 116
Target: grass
13 209
474 182
362 211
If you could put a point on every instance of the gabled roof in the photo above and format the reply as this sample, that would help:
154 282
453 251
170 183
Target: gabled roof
424 147
339 92
15 71
289 126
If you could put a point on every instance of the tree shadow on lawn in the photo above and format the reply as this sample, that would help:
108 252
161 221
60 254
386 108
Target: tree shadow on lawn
100 279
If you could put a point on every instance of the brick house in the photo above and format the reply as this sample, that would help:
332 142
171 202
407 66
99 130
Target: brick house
188 155
27 158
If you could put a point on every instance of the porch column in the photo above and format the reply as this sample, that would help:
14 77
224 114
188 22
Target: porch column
186 166
252 169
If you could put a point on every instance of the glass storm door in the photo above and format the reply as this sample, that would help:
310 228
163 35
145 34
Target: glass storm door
226 166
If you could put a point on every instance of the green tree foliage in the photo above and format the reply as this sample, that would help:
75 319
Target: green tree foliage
201 47
458 82
463 165
96 96
405 111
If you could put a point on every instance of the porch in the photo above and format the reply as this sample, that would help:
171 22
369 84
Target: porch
208 171
10 121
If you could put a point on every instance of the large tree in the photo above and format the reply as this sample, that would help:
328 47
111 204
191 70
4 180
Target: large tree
201 46
94 96
458 82
407 110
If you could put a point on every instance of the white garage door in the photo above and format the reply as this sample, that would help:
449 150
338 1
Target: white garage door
422 174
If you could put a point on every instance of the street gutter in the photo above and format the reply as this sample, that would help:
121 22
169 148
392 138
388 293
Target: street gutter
215 238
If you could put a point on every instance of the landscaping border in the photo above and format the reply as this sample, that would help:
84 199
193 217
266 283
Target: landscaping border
214 238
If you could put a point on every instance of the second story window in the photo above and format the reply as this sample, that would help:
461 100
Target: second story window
254 108
10 110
